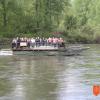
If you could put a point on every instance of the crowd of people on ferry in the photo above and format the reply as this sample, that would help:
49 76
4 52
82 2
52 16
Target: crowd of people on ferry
36 42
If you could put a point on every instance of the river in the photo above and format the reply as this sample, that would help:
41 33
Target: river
24 77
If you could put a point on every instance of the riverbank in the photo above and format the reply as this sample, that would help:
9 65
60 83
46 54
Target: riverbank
5 41
69 38
8 41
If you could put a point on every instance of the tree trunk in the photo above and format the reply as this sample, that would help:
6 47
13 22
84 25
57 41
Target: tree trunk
37 13
4 13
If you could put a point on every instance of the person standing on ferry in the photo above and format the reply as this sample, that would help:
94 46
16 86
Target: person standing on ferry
32 44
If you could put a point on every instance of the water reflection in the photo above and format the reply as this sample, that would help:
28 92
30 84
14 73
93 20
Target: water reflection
42 82
50 78
69 82
5 86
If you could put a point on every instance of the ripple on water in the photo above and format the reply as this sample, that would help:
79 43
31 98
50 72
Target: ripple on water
50 78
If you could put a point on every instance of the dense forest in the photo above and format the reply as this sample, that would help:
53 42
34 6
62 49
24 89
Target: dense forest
76 20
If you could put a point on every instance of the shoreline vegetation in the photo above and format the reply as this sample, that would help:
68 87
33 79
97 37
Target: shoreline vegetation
69 39
77 21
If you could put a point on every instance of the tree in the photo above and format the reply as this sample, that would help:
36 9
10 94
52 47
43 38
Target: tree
4 12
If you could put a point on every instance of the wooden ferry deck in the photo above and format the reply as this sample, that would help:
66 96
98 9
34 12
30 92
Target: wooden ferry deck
40 48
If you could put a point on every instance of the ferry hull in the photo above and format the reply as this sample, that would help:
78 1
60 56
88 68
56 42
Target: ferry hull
69 51
50 52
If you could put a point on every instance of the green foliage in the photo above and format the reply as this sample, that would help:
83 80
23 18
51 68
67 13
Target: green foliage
79 20
70 22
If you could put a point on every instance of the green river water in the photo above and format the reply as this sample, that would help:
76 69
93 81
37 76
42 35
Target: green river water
26 77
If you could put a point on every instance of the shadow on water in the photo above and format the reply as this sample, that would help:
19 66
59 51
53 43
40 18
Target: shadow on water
50 77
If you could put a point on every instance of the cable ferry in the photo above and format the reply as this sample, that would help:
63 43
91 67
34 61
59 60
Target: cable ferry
49 46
